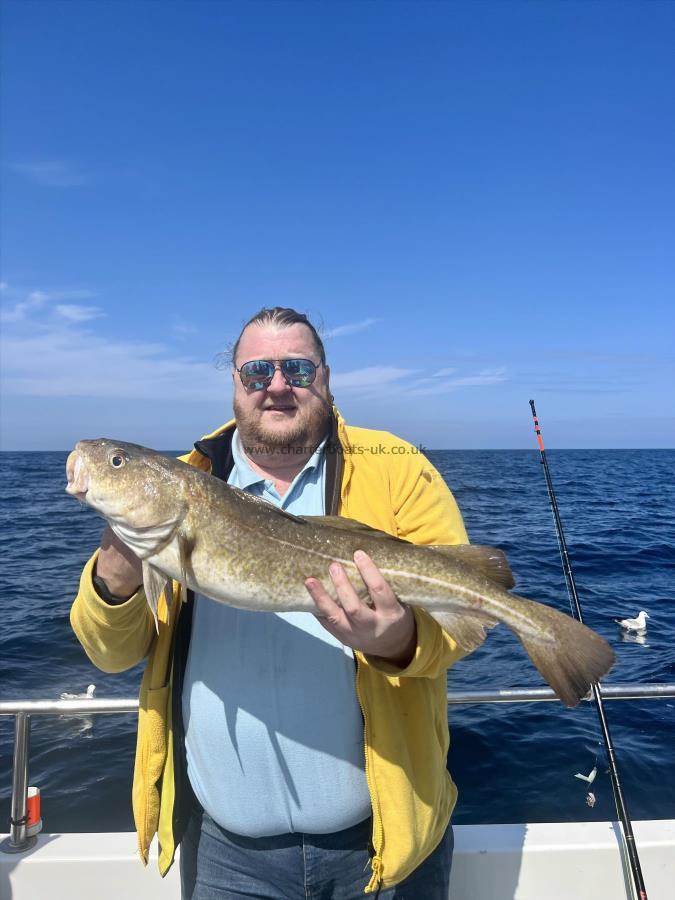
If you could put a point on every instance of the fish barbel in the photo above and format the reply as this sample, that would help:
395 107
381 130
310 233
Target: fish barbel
187 525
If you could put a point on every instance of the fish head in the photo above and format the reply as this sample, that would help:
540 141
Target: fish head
127 484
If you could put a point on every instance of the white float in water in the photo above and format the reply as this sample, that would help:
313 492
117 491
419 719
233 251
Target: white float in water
590 778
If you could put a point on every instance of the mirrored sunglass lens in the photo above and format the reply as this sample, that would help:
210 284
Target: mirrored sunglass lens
300 372
257 374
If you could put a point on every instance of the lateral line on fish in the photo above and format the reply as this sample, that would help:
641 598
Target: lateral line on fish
463 592
295 546
468 594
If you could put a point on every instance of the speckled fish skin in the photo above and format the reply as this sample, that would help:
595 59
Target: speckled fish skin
239 550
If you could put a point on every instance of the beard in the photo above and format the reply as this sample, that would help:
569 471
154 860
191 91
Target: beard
303 432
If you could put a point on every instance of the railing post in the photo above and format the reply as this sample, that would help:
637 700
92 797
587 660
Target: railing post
18 841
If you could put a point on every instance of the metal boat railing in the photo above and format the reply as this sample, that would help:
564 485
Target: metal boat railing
22 710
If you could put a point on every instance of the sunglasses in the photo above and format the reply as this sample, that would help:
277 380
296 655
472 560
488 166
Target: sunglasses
258 373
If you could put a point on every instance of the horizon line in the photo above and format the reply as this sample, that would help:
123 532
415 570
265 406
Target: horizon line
426 449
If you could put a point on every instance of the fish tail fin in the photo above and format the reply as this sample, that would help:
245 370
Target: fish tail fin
571 659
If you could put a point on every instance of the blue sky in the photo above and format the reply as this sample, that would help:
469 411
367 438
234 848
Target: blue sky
475 201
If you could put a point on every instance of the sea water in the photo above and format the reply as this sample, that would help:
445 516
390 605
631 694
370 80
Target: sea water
512 763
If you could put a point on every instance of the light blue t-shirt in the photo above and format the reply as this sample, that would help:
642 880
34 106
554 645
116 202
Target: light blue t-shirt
273 728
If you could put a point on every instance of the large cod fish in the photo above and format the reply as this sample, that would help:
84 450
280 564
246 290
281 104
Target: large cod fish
237 549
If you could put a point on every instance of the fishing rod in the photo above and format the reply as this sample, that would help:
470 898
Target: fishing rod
619 801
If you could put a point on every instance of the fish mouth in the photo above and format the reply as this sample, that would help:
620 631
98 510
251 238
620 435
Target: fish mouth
77 475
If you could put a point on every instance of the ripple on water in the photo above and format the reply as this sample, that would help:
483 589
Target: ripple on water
512 763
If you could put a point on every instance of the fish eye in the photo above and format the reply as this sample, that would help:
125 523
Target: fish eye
118 459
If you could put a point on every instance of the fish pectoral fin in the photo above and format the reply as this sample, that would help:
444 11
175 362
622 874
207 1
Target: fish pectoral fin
155 584
148 540
185 556
489 561
467 631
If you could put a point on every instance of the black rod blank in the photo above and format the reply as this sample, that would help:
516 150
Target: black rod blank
619 801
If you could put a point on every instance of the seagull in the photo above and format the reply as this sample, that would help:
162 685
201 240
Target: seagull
91 690
638 625
590 778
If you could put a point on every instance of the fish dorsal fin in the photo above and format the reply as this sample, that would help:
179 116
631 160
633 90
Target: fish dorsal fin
270 509
353 526
155 583
489 561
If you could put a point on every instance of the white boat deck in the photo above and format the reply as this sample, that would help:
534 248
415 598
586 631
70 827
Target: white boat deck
566 861
580 860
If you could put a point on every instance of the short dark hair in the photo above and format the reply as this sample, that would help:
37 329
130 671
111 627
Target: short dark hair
282 317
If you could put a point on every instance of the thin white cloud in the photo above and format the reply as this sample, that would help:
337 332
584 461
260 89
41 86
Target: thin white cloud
35 300
369 377
81 294
183 329
484 378
76 313
55 351
24 307
72 362
442 373
52 173
350 328
487 376
378 380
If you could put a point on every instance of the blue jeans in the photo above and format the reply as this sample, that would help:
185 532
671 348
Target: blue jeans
218 865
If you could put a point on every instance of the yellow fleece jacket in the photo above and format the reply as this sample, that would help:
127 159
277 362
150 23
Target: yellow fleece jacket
387 484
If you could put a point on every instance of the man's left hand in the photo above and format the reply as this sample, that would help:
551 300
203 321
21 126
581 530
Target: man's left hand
386 629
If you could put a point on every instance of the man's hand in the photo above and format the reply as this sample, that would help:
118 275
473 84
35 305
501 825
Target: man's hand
385 629
118 566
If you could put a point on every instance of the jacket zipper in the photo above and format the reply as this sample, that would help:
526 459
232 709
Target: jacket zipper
377 836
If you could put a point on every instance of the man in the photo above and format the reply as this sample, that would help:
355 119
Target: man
292 755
